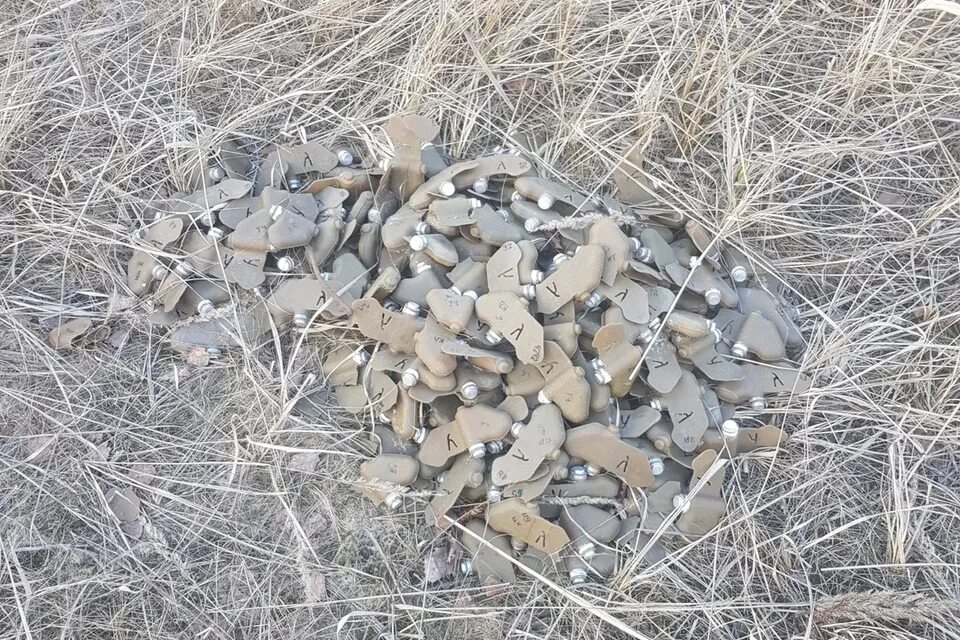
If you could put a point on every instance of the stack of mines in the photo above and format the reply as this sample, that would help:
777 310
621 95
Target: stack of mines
559 373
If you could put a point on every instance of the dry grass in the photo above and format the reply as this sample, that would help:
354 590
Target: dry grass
820 135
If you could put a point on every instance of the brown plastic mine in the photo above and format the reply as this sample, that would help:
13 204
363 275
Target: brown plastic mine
342 365
574 279
377 392
767 305
290 230
551 195
385 477
494 227
702 513
714 289
396 330
451 309
384 284
663 370
566 335
630 297
405 420
140 270
415 288
324 242
301 297
636 422
490 566
616 359
428 345
507 316
201 297
63 336
565 385
437 247
492 361
349 272
532 488
760 337
760 381
689 324
587 525
712 359
202 250
465 471
617 247
470 431
471 381
603 449
522 521
455 212
686 411
535 441
504 271
440 184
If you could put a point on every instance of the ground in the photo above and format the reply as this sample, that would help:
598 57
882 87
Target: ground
822 136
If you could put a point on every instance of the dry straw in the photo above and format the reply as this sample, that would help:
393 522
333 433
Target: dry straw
820 136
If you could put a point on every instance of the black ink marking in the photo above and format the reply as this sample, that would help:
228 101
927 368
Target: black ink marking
554 289
777 382
622 295
451 443
684 417
518 331
622 465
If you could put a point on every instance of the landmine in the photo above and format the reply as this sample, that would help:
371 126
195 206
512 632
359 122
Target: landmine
563 377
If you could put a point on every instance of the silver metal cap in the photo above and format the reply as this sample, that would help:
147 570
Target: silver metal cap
495 446
578 576
656 465
480 185
410 377
712 296
300 320
286 263
344 157
681 503
418 243
469 390
545 201
447 189
578 473
729 428
739 273
411 309
205 308
477 450
531 224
